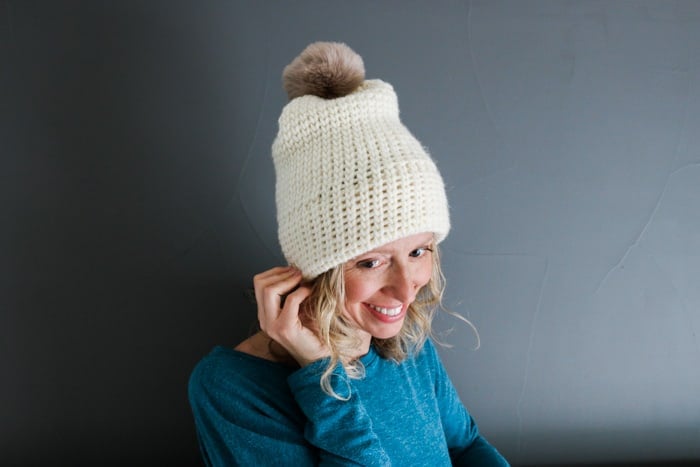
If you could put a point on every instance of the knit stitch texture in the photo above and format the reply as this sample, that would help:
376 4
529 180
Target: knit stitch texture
350 178
253 412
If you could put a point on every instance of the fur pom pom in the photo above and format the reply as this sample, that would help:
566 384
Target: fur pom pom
324 69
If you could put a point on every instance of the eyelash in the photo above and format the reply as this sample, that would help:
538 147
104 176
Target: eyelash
373 263
425 248
368 264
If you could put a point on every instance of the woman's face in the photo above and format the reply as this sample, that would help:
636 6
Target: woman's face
382 283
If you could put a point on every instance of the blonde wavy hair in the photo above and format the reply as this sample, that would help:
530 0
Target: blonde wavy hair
324 311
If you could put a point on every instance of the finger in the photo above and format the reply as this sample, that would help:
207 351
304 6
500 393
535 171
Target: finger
290 312
295 298
264 280
271 275
271 294
272 272
281 285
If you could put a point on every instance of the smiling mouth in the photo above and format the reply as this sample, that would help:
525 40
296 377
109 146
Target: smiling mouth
387 311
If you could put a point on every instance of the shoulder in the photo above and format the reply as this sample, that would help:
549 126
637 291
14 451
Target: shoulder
224 372
241 402
426 354
215 369
425 360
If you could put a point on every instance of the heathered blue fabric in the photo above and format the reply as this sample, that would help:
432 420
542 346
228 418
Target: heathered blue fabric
250 411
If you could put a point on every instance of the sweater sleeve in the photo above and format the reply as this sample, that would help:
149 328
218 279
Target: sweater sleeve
340 429
466 445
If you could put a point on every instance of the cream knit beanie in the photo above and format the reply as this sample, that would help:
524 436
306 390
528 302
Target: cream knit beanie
350 176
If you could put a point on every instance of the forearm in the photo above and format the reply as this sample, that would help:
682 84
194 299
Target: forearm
340 428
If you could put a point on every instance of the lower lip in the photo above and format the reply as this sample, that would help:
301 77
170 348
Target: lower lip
386 318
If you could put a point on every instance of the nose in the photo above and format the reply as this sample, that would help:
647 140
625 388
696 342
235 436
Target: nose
401 283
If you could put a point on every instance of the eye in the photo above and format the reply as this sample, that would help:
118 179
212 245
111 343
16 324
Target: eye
368 263
418 252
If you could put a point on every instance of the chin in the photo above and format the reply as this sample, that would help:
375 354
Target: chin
387 332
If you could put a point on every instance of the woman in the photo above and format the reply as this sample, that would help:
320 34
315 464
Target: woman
342 371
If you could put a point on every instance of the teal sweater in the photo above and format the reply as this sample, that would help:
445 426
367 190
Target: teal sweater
253 412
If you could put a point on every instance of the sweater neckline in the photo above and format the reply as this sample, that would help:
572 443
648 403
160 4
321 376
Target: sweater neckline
370 357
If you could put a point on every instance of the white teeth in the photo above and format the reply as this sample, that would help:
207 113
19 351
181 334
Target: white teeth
387 311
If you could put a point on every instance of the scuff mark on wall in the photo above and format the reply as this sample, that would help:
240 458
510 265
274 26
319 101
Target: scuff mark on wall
528 358
475 65
247 214
654 210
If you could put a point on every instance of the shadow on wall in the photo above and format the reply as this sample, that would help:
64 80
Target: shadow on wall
602 446
635 464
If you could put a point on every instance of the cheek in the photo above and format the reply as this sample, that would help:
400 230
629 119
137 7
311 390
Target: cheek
357 290
353 291
425 274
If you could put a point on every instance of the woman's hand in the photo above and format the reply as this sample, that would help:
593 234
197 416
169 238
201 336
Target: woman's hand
282 322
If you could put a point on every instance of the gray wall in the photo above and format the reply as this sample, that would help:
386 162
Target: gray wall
137 202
